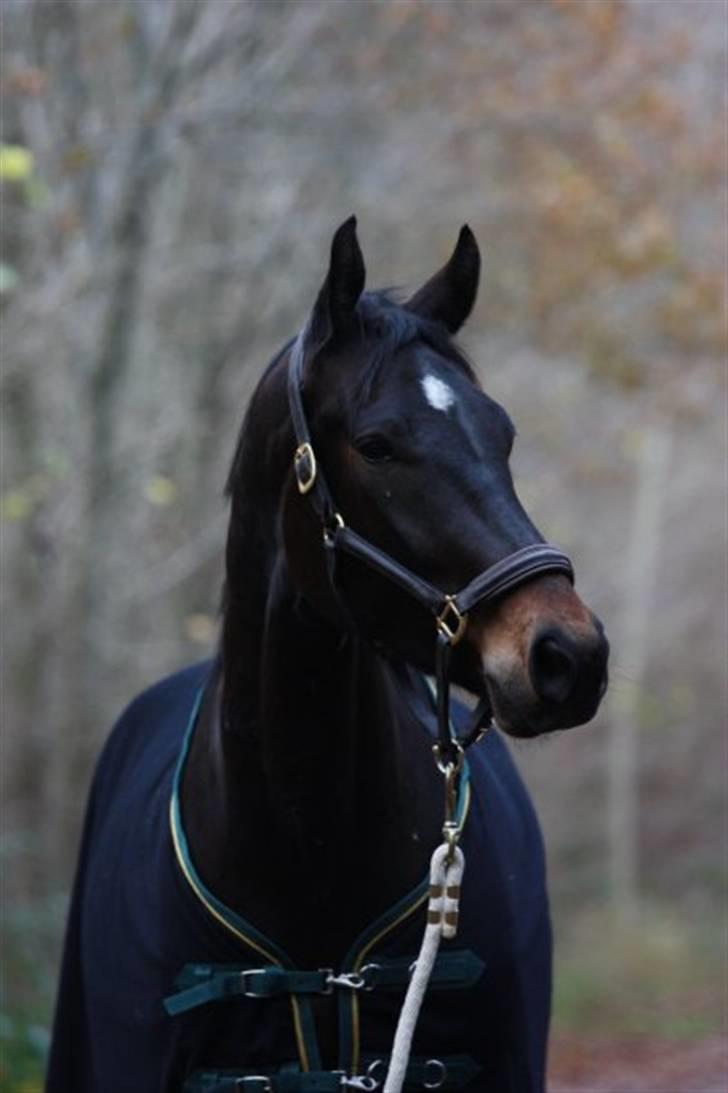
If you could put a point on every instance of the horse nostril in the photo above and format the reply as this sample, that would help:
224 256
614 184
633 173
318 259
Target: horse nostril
553 668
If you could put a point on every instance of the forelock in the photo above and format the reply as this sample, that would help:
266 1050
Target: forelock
388 327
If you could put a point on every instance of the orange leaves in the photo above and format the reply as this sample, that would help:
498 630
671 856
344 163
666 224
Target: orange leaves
568 195
644 242
603 19
693 313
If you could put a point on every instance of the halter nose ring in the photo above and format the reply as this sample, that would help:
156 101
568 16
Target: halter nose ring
451 621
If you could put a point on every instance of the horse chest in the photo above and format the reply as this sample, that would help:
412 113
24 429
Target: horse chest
139 918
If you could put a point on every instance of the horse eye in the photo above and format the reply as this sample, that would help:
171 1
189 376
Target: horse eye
375 449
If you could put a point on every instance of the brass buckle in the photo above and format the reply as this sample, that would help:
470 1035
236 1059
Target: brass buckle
304 467
452 621
250 992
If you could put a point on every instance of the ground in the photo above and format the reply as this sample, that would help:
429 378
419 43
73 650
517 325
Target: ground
586 1064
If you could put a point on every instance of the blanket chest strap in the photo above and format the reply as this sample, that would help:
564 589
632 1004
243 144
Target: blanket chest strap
201 983
449 1072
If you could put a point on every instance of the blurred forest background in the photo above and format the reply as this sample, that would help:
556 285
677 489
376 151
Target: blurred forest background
171 173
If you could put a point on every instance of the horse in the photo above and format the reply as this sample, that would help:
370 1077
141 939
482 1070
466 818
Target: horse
252 880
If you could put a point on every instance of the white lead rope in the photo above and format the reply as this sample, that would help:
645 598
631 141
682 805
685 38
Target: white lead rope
446 874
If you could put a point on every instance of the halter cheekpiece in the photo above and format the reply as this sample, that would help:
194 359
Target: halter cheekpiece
450 610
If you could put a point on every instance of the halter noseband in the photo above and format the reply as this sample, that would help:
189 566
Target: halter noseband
449 610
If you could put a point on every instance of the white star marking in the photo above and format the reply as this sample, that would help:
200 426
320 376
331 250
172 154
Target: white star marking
437 393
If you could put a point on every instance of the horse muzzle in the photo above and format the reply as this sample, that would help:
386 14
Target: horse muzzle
544 657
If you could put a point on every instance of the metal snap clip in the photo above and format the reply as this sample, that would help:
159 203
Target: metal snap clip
353 980
359 1081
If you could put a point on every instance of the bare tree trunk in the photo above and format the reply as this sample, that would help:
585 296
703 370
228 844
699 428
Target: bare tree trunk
128 238
640 571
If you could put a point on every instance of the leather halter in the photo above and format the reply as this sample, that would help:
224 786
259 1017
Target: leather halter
450 610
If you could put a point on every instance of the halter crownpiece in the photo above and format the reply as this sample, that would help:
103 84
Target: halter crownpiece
450 610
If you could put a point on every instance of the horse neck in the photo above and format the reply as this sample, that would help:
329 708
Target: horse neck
316 780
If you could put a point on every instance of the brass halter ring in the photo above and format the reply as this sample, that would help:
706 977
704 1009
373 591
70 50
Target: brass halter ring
329 530
451 622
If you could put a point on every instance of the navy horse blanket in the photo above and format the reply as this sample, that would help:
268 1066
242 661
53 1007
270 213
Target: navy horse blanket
163 989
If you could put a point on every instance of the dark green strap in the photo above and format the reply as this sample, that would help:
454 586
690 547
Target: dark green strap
201 983
453 970
229 1081
441 1071
444 1072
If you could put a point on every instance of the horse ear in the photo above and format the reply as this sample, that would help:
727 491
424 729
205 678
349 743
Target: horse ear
335 310
448 297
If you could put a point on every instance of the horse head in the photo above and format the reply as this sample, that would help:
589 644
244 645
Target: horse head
416 455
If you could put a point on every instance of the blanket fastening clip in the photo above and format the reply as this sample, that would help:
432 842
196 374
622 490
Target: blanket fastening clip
355 981
358 1081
